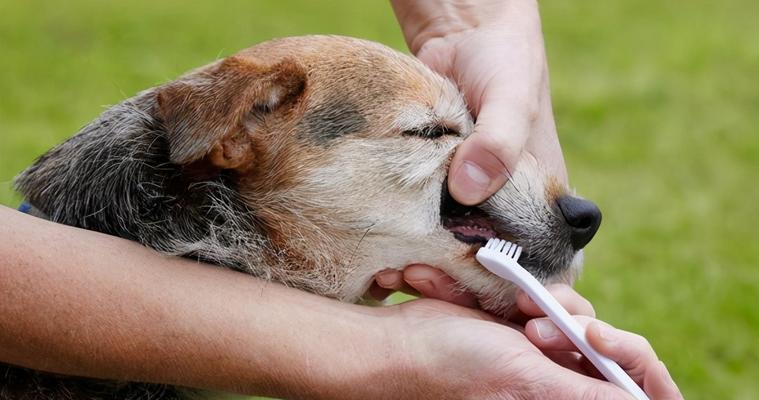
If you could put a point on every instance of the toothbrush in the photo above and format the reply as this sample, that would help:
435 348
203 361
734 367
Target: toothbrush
500 257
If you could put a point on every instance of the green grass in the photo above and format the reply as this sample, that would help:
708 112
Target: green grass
656 102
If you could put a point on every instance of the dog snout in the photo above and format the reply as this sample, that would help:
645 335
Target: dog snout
583 218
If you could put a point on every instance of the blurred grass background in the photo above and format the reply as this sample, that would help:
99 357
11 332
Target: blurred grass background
657 105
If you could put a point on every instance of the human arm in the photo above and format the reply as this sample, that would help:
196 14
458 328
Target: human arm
82 303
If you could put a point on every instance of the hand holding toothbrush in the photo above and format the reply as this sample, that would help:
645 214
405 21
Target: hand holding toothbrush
545 354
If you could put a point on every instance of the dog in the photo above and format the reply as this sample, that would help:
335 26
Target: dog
313 161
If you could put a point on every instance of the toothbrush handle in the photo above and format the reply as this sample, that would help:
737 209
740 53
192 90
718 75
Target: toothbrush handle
576 333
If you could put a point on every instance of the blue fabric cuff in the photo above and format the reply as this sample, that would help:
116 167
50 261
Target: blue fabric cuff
25 207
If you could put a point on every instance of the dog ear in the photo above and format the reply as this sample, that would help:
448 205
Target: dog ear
205 115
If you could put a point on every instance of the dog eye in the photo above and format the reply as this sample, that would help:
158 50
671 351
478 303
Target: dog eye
431 132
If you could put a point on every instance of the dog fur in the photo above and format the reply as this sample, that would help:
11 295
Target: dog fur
313 161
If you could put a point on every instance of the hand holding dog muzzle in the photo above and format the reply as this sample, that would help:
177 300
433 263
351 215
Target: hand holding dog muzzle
494 52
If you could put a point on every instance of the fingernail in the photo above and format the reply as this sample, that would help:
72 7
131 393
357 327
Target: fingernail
424 287
546 329
471 183
426 281
387 279
422 274
606 334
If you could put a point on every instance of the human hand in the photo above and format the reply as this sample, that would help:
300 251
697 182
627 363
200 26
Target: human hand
631 351
465 354
494 52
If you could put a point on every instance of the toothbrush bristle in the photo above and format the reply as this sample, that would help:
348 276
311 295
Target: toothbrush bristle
511 250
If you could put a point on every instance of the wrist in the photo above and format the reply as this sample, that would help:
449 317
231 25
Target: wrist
361 355
420 361
423 20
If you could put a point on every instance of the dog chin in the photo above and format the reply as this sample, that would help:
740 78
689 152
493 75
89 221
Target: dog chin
498 296
502 307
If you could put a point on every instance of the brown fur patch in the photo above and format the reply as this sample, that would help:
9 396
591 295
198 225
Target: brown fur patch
233 151
554 189
203 109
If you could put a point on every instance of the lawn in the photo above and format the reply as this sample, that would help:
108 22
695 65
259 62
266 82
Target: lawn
657 105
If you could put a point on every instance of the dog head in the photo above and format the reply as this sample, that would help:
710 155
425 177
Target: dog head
338 150
342 148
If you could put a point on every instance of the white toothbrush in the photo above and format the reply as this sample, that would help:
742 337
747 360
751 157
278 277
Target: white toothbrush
500 257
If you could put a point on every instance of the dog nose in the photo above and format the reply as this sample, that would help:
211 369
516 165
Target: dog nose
583 218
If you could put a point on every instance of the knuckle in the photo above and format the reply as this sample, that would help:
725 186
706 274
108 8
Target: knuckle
572 300
490 140
531 111
588 308
640 342
563 290
584 318
492 152
639 356
558 287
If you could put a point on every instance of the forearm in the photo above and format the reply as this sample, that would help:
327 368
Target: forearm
422 20
83 303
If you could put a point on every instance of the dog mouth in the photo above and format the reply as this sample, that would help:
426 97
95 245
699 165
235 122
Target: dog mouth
469 224
545 252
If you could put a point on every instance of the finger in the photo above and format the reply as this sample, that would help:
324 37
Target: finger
486 159
378 293
434 283
575 361
659 384
546 336
568 359
564 294
393 280
632 352
389 279
438 54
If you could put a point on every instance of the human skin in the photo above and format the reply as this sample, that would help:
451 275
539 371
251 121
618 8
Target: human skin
79 302
82 303
494 51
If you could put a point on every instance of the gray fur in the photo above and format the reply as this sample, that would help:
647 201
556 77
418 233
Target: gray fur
331 120
540 229
115 177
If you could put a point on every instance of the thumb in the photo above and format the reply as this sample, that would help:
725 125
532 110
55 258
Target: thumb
485 160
